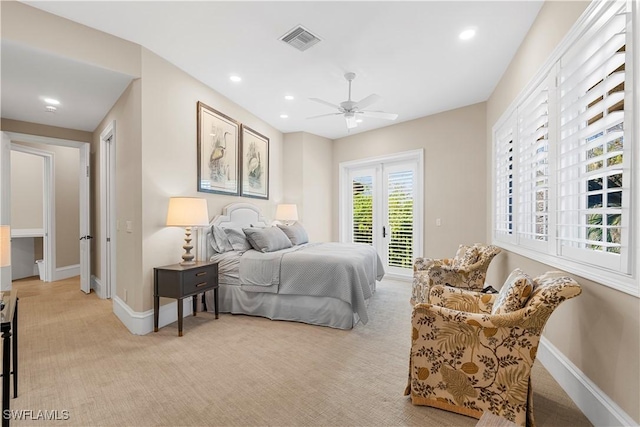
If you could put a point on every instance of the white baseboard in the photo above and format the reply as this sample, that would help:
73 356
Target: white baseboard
141 323
97 287
590 399
66 272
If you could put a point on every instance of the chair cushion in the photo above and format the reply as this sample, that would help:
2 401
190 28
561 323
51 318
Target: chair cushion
514 293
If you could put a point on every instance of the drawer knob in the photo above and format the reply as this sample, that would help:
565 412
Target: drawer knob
201 284
202 273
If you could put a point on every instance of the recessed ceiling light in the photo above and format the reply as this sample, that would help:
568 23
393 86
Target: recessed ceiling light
50 109
288 97
235 79
52 101
467 34
284 116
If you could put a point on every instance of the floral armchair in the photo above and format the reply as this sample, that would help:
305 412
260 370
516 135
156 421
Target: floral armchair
473 352
467 270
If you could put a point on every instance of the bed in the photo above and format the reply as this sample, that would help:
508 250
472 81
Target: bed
326 284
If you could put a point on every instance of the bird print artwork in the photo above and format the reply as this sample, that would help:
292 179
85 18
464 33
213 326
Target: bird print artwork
254 167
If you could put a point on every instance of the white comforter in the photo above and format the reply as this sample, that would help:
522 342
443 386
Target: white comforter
339 270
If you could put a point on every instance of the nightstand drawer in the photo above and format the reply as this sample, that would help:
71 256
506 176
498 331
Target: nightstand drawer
200 280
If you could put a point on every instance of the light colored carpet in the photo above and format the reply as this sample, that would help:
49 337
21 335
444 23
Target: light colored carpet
235 371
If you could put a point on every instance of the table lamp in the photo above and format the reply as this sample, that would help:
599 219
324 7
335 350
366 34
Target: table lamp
287 213
187 212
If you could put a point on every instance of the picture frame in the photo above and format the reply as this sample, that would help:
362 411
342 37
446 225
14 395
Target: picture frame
218 152
255 164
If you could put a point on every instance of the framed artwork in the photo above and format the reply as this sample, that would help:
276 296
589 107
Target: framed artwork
218 152
255 164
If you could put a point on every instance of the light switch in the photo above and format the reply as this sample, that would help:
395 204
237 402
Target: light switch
129 226
438 222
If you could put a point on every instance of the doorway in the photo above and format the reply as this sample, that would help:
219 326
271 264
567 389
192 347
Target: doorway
84 199
381 205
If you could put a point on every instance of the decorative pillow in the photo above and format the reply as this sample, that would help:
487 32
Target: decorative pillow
466 256
296 233
514 293
237 239
267 239
219 241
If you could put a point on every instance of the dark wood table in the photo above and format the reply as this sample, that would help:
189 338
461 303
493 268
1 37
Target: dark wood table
182 281
9 324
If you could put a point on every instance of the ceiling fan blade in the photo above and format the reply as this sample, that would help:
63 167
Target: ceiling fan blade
369 100
324 115
351 122
337 107
378 115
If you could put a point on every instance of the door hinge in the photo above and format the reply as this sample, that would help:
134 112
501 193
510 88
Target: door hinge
87 171
108 239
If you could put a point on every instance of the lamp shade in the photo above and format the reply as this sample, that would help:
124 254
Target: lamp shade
5 245
187 212
287 212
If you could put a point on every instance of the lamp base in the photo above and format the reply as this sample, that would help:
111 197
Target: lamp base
187 257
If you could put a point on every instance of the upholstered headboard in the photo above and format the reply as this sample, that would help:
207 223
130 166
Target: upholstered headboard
235 215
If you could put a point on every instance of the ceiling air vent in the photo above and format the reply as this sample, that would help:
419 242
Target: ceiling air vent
300 38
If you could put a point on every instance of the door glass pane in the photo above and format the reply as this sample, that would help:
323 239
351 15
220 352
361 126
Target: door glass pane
362 214
400 208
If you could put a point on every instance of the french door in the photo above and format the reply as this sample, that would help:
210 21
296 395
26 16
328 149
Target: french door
382 207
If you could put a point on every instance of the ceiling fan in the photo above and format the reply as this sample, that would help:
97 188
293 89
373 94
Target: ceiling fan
351 109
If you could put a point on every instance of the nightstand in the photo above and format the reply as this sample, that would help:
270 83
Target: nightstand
183 281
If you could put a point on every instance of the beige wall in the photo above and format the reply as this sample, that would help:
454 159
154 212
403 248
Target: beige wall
454 157
308 181
66 165
26 191
17 126
128 200
599 331
169 161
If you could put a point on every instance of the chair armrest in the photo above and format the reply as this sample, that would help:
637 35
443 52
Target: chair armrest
461 299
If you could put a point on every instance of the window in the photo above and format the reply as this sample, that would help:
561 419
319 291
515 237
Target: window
562 155
504 180
533 168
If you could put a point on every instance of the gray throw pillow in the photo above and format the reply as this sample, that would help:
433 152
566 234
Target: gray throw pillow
219 241
296 233
237 239
267 239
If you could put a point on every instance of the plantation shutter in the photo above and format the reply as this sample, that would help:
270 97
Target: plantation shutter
362 210
593 170
504 185
533 168
400 217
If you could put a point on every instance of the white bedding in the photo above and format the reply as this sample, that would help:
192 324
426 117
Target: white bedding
308 283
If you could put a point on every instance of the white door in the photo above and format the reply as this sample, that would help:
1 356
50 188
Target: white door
85 222
383 210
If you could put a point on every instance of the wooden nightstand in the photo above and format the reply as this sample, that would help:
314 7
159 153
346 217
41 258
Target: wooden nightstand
182 281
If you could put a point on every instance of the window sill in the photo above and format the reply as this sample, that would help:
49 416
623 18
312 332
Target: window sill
612 279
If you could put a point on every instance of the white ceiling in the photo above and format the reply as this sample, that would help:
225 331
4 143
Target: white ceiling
407 52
